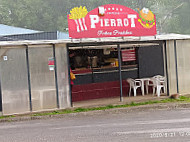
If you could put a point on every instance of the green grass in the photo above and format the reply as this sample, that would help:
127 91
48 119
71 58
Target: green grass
132 104
10 116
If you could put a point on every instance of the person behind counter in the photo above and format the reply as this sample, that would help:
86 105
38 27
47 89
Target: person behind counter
72 77
71 59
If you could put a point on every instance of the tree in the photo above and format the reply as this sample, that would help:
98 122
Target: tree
48 15
28 14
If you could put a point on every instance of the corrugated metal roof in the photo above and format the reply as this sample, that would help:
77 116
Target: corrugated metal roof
130 38
10 30
36 36
172 36
62 35
96 40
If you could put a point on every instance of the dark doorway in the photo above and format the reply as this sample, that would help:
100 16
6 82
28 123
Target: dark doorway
150 61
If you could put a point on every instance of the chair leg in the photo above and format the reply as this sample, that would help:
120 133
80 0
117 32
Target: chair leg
135 94
153 90
158 91
164 89
147 88
130 91
142 90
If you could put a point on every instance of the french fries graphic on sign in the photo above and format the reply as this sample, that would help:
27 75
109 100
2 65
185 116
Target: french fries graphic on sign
78 14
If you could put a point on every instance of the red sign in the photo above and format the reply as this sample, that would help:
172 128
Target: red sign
111 20
51 63
128 55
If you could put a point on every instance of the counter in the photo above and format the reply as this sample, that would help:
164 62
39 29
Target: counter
105 74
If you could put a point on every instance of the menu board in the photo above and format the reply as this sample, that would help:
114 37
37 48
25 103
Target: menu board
128 55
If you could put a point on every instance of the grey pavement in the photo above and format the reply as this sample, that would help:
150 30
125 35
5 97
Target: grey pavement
116 100
104 102
144 125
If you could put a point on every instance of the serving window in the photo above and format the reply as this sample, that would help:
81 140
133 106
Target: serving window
104 58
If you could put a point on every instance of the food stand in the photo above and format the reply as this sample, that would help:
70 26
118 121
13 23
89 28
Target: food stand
35 74
109 64
32 81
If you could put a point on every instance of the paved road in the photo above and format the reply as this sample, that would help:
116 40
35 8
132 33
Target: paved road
117 126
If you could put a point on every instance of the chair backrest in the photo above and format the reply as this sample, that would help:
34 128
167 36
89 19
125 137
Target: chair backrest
131 81
156 81
159 77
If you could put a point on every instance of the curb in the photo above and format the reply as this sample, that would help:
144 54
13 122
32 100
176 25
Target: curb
162 106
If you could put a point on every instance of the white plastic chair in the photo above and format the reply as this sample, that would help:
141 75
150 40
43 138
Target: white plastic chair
147 84
157 85
160 79
133 84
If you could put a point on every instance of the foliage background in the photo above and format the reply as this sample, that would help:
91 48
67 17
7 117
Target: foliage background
173 16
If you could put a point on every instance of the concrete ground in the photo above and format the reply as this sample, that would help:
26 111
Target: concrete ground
116 100
113 125
105 102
